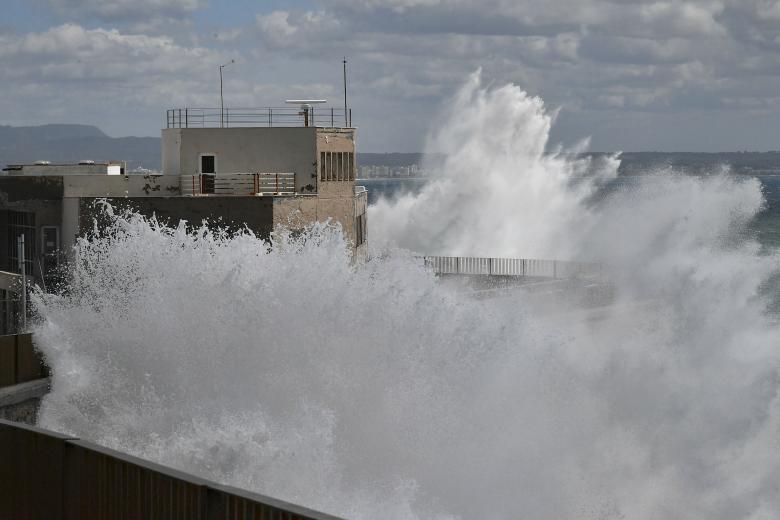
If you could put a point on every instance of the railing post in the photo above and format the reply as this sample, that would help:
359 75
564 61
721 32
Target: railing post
350 118
186 118
270 117
23 271
523 260
331 117
227 117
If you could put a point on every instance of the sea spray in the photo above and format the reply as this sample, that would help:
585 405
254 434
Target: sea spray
498 191
374 391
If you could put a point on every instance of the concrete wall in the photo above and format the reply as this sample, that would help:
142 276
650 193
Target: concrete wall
230 212
21 402
66 169
297 212
121 185
243 150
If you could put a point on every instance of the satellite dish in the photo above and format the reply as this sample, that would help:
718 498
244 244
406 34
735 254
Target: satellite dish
305 101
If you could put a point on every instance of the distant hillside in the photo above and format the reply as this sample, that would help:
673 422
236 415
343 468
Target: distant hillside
72 143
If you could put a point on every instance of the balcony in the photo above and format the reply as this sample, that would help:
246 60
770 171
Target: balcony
240 184
318 116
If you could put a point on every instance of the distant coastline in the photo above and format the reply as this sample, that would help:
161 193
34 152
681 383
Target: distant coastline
67 143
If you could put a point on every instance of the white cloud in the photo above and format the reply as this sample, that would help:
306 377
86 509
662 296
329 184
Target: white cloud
588 56
69 73
286 29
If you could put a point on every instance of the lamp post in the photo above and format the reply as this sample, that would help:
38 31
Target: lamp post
221 99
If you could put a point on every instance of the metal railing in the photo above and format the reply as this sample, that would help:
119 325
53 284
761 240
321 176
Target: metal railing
267 116
246 184
58 477
511 267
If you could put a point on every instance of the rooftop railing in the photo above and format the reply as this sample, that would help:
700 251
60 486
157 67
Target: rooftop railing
239 184
253 117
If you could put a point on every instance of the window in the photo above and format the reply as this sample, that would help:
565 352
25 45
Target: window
50 246
208 164
19 223
360 230
337 166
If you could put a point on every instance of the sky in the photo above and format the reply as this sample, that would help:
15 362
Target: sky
630 75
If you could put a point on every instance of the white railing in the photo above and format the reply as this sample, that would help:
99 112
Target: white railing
247 184
511 267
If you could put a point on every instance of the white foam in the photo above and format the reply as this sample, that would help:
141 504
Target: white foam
376 392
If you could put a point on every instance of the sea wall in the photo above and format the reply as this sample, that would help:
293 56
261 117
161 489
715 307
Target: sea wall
20 402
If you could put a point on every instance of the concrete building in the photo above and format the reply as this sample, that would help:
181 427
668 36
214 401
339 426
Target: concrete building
261 168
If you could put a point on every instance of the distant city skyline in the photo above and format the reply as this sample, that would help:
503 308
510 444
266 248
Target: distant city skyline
699 75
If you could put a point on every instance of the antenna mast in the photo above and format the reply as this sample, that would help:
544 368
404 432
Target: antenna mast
346 122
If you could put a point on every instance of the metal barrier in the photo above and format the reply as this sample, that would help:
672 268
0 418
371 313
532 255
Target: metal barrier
46 475
327 117
19 361
247 184
462 265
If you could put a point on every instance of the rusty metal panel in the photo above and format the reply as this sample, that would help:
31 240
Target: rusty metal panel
103 484
28 362
229 503
31 472
44 475
7 360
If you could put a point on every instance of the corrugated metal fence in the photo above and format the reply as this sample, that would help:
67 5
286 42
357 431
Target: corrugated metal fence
19 362
511 267
48 476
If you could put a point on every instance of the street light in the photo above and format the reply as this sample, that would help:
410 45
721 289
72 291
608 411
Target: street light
221 99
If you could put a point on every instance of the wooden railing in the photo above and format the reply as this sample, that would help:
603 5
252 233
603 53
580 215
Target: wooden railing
46 475
246 184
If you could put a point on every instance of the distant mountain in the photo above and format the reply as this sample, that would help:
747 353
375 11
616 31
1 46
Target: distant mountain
72 143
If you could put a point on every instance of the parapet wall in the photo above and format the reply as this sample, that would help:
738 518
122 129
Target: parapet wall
52 476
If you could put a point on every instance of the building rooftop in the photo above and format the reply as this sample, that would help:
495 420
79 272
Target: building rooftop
86 167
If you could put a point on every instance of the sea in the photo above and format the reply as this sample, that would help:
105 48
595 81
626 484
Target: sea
765 224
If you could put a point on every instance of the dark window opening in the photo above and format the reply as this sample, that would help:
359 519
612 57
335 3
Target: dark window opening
18 223
207 164
360 231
